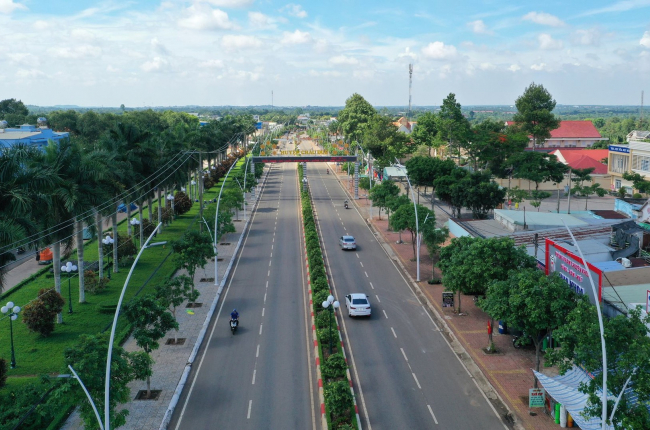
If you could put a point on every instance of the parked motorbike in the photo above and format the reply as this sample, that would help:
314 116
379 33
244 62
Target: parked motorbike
233 325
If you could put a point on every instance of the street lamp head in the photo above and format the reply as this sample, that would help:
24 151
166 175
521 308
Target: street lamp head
336 304
14 317
16 309
170 197
10 305
193 182
183 189
4 310
330 298
325 304
135 221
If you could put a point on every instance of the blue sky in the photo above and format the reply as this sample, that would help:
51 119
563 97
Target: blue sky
235 52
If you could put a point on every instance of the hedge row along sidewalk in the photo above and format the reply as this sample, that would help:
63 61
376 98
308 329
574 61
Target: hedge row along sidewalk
338 404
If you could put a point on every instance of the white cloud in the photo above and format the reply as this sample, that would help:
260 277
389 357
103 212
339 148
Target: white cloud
487 66
620 6
41 25
325 74
24 59
439 51
111 69
514 68
155 65
544 18
479 27
296 38
546 42
77 52
232 42
645 40
32 73
229 3
294 10
203 17
212 64
407 54
538 67
8 6
260 21
158 47
587 37
343 60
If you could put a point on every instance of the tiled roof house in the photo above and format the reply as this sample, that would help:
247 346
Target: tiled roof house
571 134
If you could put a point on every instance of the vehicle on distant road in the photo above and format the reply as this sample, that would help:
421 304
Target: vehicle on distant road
347 242
358 305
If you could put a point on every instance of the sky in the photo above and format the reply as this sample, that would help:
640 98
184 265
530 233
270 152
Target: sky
240 52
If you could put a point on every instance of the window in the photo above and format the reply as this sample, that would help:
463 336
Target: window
617 184
641 163
645 165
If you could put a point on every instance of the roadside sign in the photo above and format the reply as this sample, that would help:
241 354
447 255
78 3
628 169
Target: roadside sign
536 398
447 299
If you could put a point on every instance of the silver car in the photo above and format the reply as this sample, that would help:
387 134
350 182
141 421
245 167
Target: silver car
358 305
347 242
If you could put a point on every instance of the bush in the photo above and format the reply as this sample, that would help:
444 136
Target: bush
319 285
316 272
315 260
319 297
323 318
93 283
39 314
3 372
167 215
182 203
125 247
434 281
637 196
324 335
334 367
208 182
338 398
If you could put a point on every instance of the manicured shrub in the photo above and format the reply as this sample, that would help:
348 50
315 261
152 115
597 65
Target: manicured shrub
39 314
334 367
319 285
93 283
338 398
434 281
323 318
3 372
208 182
316 272
167 215
125 247
324 335
319 298
637 196
315 260
182 203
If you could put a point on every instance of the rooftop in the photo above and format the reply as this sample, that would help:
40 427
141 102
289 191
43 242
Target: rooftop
573 130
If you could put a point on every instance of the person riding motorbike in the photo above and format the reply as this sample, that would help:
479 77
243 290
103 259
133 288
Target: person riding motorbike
328 171
234 315
346 204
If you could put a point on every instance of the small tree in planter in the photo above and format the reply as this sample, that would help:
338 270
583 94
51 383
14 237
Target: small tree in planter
182 203
339 400
93 283
173 292
40 314
191 252
150 321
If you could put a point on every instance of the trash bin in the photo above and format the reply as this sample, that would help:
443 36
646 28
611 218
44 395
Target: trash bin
503 328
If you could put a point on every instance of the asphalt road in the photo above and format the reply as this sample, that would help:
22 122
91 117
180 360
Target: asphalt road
405 374
263 377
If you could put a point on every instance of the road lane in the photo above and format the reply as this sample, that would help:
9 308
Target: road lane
408 375
238 379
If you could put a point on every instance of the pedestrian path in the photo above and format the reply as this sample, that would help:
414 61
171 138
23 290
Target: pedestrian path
170 361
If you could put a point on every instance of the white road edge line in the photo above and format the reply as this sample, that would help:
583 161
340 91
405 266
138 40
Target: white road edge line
432 321
432 415
416 380
489 402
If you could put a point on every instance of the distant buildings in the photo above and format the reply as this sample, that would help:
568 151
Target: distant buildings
404 125
571 134
37 135
633 158
637 135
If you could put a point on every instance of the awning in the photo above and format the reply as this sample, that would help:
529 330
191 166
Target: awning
564 389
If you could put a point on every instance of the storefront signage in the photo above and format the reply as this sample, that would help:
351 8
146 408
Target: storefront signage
613 148
570 268
447 299
536 398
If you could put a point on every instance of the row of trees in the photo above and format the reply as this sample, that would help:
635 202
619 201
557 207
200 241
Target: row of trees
516 292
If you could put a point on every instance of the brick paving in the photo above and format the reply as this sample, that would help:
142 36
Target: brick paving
509 371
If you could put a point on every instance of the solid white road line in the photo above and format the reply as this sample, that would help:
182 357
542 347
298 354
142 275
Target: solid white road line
432 415
394 334
250 404
416 380
432 321
404 354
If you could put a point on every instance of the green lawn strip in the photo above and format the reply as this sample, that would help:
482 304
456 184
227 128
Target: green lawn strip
38 355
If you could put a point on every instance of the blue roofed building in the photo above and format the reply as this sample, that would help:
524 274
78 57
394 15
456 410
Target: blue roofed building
28 134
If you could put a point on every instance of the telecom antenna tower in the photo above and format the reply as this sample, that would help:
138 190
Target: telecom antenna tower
408 115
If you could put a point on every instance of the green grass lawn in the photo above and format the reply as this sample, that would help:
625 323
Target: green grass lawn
37 355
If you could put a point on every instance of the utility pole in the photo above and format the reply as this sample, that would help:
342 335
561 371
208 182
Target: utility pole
408 115
200 185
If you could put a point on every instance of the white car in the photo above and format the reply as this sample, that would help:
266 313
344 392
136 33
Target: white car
347 242
358 305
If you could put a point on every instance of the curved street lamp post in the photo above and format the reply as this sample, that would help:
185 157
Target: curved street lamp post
417 224
69 268
12 312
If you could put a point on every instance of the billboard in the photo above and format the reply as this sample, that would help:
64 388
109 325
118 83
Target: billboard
570 268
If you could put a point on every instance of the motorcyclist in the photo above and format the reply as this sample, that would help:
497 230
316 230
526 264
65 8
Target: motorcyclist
328 171
234 315
346 204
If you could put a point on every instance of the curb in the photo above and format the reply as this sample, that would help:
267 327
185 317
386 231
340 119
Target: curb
199 341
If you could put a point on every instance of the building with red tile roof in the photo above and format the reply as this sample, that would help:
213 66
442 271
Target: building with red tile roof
571 134
404 125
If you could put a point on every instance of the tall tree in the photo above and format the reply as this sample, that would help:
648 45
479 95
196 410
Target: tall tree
425 132
538 167
13 111
535 114
531 301
404 219
174 291
453 126
191 251
492 144
383 141
355 116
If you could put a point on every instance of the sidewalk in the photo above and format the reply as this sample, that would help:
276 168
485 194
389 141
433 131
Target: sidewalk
170 361
509 371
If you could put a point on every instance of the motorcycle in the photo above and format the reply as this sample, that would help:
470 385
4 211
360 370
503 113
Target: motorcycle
328 171
346 205
233 325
